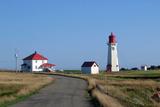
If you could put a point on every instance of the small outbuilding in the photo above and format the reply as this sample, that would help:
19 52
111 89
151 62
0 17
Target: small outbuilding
90 67
144 67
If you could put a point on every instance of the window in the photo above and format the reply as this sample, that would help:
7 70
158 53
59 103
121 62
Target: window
36 61
95 66
113 48
29 67
36 67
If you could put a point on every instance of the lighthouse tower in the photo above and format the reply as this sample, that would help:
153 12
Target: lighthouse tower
112 65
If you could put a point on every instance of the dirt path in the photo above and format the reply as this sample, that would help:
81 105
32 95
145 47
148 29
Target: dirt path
65 92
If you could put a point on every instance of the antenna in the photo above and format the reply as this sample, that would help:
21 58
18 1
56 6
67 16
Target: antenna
16 59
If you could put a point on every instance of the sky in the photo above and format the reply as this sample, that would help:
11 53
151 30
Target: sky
69 32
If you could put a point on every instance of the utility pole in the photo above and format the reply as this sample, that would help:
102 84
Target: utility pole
16 60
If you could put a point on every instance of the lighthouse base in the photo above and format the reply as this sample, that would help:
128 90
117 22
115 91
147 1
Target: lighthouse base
110 68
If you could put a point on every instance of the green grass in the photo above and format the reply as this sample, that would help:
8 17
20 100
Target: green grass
136 96
72 71
145 73
8 89
18 99
135 74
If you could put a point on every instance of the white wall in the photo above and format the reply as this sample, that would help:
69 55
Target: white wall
94 69
113 57
36 65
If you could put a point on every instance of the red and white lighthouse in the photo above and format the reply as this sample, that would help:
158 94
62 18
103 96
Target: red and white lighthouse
112 65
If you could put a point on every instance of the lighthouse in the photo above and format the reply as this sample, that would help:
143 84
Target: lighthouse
112 65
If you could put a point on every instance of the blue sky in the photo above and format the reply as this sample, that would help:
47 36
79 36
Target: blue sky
70 32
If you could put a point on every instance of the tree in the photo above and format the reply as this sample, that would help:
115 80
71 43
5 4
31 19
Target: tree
158 67
124 69
135 68
153 67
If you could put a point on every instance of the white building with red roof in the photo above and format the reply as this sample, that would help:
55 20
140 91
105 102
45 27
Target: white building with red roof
36 63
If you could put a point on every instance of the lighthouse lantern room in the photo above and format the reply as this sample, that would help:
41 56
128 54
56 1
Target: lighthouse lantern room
112 65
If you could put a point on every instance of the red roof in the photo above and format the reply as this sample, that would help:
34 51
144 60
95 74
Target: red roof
35 56
47 65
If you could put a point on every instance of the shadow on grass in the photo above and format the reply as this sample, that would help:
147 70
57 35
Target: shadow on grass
95 103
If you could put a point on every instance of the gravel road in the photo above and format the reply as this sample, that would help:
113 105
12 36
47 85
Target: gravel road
65 92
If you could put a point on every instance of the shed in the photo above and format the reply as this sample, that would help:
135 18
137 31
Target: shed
144 67
90 67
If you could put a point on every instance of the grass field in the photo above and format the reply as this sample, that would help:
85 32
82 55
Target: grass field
71 72
17 86
124 89
131 89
